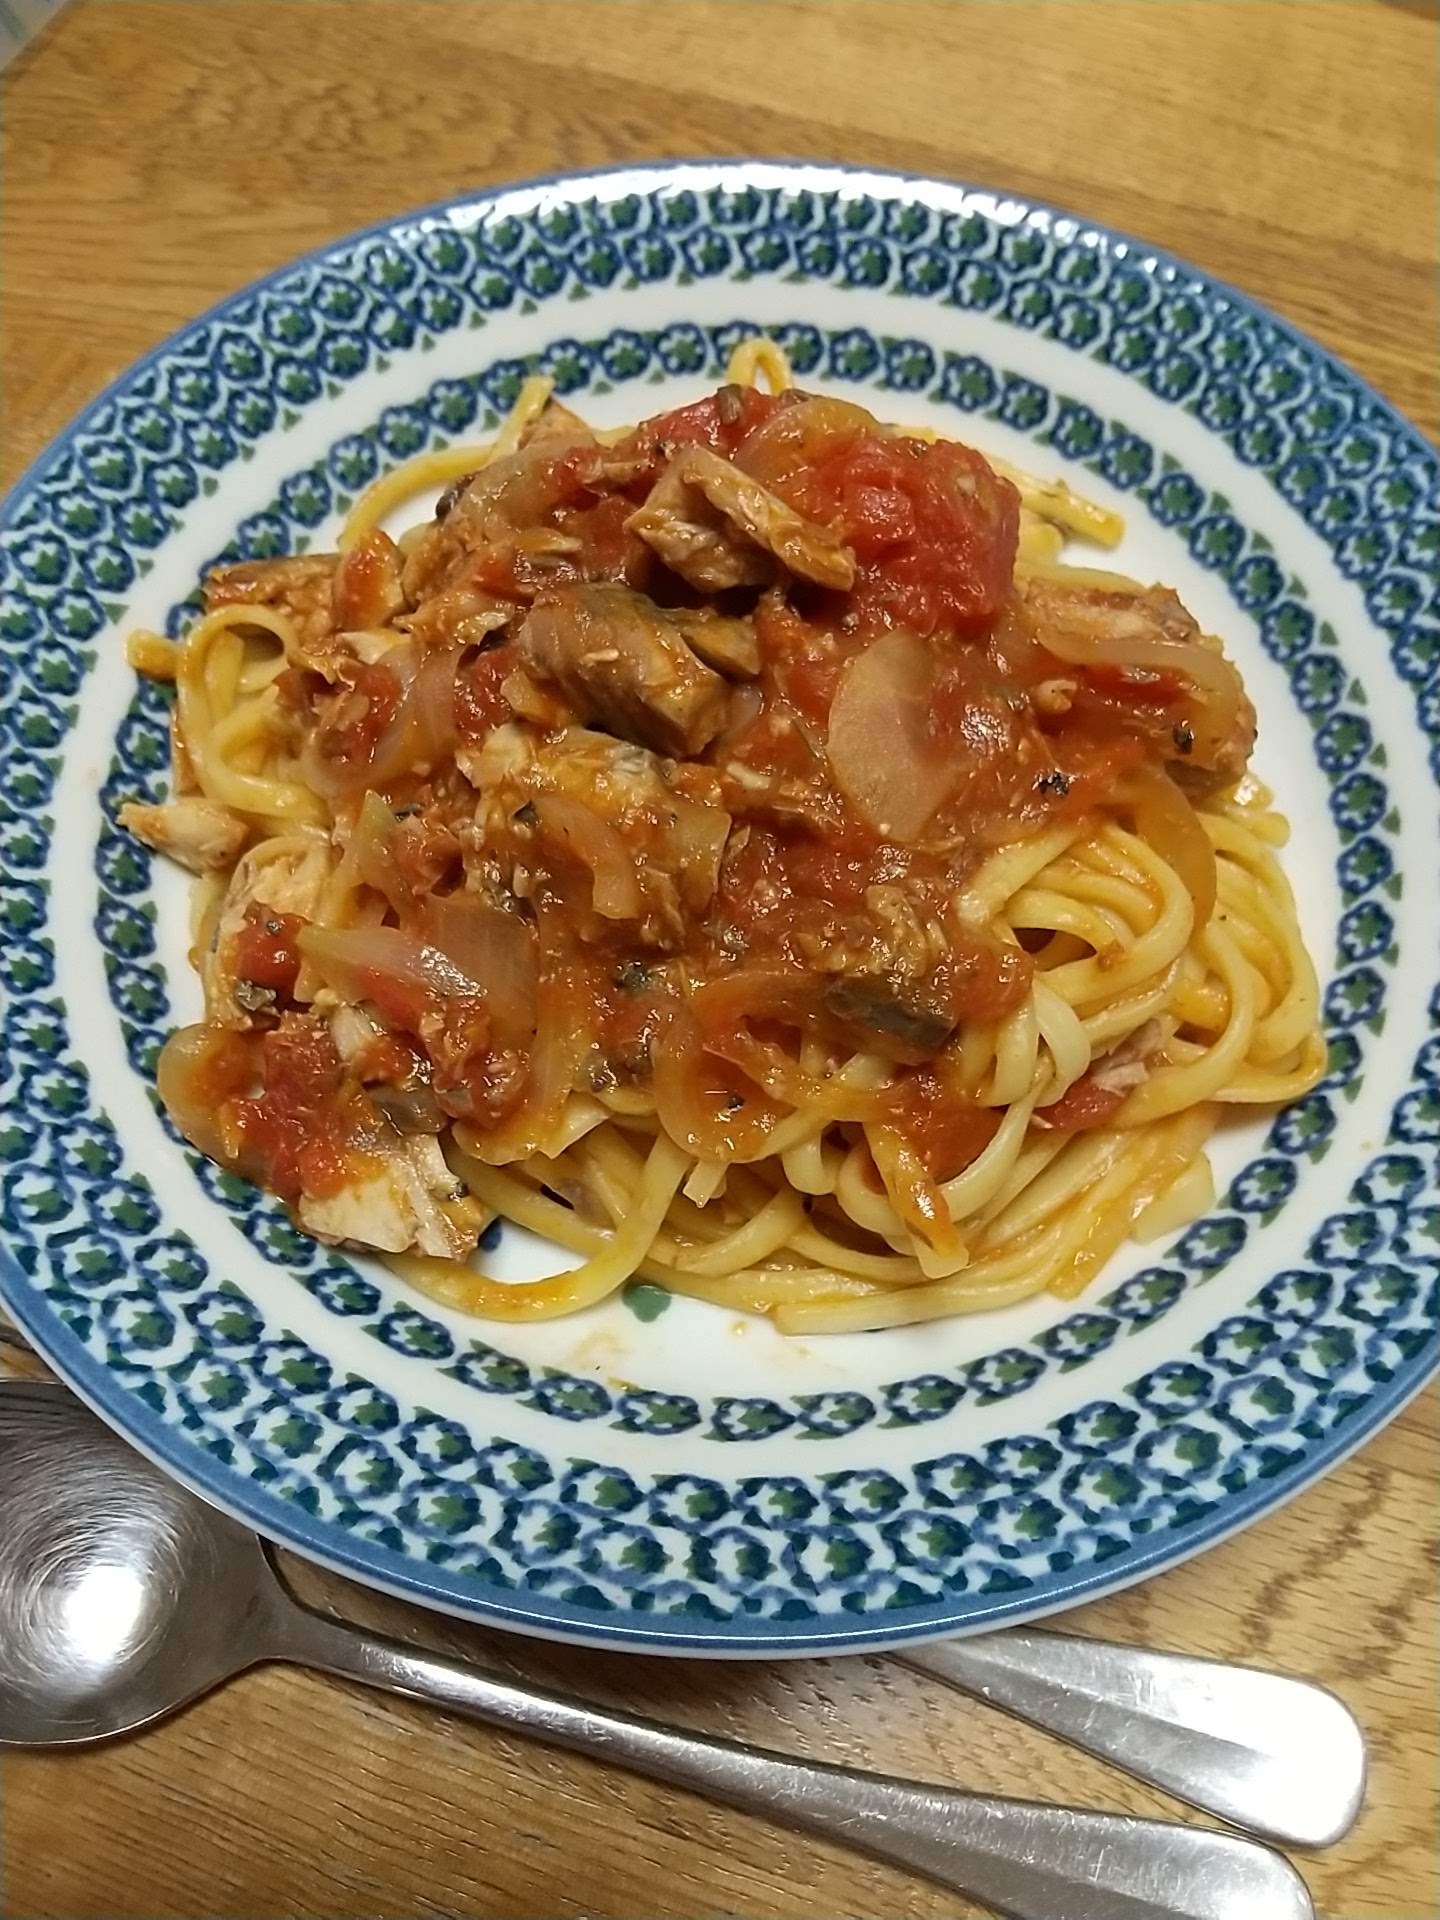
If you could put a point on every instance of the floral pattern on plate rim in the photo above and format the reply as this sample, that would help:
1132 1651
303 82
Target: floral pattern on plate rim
788 1558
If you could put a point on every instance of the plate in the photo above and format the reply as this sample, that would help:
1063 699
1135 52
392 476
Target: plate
659 1474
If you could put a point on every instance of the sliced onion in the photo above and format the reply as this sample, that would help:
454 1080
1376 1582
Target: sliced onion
1144 633
884 758
365 591
756 993
696 846
1130 643
409 1109
433 694
795 439
400 975
520 488
599 848
493 948
374 855
1166 819
724 1008
422 731
200 1070
694 1101
563 1036
917 1198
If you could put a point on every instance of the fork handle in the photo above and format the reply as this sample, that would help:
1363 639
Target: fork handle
1022 1860
1282 1758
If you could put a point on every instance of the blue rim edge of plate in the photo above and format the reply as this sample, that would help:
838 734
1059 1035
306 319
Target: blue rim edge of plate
743 1639
738 1635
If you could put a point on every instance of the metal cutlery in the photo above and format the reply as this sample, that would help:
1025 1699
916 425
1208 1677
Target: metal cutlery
123 1597
1280 1757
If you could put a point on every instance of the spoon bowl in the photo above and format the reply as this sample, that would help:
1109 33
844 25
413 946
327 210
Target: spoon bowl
125 1595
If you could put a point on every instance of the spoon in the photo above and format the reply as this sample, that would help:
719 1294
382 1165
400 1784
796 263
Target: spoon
1280 1757
123 1597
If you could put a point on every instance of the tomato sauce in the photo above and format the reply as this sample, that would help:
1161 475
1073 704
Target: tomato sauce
722 421
264 950
605 551
400 1003
366 591
299 1127
933 528
480 705
945 1129
980 980
630 1000
816 888
360 715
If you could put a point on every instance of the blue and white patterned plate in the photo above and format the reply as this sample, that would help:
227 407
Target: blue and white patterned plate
658 1474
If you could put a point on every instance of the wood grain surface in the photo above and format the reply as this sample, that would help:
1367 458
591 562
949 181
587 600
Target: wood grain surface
157 154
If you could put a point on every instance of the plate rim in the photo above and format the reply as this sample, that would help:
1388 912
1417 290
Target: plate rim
99 1386
88 1380
436 209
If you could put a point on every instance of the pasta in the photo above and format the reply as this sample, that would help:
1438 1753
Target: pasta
745 850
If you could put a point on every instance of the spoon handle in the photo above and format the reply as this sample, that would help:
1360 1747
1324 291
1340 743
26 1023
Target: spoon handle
1280 1757
1026 1861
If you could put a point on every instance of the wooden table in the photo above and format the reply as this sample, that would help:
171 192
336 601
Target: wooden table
158 156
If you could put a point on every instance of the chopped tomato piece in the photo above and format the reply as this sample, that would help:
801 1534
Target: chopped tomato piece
300 1126
934 528
265 952
361 712
479 703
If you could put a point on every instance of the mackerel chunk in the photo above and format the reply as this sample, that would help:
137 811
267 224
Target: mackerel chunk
625 665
